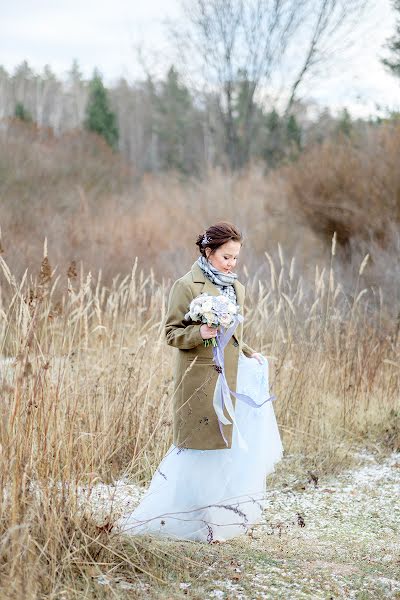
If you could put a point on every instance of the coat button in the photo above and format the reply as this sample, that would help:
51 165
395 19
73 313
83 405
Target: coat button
235 343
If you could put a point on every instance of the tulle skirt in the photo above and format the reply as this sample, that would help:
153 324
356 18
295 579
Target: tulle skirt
214 495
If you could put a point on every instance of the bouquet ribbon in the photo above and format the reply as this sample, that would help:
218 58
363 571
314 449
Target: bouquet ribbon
222 395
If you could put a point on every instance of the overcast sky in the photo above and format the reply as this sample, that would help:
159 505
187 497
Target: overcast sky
105 33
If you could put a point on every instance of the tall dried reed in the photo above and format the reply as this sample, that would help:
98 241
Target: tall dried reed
86 388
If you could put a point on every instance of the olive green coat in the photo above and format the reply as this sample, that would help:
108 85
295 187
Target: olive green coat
195 424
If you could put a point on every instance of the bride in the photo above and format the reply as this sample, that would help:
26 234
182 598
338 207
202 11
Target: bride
210 486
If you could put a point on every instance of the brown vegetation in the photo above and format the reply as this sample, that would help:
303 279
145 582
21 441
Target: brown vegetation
86 376
93 208
351 185
87 392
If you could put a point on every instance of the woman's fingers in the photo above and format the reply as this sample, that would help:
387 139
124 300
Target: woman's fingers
257 356
208 332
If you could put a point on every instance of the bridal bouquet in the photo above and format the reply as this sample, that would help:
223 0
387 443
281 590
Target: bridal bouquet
214 310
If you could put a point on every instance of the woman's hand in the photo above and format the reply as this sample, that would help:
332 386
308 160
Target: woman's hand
207 332
258 356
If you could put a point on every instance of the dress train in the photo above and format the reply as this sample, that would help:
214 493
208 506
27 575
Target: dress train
215 495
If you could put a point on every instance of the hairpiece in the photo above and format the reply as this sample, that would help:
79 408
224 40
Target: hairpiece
205 240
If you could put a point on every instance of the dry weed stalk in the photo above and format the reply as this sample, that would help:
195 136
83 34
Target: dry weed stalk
96 399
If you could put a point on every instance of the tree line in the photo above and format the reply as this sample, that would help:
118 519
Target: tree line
157 125
160 124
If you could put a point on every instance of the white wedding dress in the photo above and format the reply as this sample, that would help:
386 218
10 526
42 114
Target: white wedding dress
214 495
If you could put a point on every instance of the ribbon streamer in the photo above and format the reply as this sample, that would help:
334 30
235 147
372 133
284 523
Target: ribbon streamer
222 395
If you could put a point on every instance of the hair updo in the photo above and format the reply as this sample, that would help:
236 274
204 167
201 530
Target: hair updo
217 235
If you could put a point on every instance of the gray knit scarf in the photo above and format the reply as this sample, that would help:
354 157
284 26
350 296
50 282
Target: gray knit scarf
223 281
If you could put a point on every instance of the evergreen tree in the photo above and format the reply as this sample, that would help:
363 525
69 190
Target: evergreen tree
245 113
99 116
345 124
293 132
22 113
273 150
393 44
174 105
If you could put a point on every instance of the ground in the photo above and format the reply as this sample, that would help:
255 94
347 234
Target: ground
328 537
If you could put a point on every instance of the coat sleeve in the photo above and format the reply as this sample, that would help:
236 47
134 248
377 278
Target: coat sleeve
179 333
247 350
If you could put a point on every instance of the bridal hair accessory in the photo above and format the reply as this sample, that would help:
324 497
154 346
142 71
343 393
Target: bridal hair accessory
205 240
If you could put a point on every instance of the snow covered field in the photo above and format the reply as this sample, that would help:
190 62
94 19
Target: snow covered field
333 538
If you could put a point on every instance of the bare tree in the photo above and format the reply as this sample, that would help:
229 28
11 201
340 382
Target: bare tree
330 24
239 45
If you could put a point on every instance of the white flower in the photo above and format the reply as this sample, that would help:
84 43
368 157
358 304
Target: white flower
232 309
210 317
206 306
226 321
196 310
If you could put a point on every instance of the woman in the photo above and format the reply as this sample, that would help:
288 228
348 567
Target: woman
210 486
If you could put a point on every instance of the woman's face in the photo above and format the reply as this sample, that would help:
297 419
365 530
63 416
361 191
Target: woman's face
224 258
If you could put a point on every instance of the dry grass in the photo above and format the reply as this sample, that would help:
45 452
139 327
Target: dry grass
86 376
87 396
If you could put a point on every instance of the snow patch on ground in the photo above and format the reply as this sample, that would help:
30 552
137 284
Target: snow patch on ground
337 539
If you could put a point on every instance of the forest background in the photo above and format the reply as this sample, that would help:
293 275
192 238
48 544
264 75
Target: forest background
111 174
103 191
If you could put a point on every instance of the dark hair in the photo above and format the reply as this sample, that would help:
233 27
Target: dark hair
217 235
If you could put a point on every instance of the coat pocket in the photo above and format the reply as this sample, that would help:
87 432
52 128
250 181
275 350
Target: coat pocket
200 360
